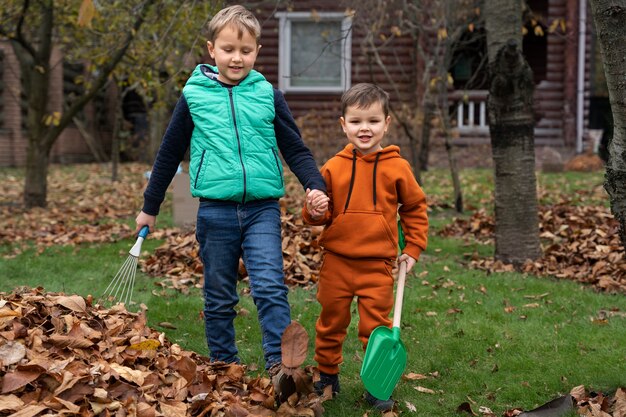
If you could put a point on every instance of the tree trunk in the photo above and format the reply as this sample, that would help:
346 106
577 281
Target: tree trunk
511 125
454 168
610 21
429 113
115 136
444 113
36 180
157 117
35 69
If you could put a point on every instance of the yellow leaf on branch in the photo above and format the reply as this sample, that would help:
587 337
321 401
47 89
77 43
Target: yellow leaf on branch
86 13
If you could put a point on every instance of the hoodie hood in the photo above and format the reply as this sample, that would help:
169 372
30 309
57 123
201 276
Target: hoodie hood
391 151
350 152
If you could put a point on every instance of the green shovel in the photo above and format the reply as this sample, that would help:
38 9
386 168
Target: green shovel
385 356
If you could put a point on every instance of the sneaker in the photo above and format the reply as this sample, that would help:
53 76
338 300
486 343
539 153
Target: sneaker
380 405
326 380
284 385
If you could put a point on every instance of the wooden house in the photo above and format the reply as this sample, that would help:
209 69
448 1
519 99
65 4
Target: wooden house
559 53
314 50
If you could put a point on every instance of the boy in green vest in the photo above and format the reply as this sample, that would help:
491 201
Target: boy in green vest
235 123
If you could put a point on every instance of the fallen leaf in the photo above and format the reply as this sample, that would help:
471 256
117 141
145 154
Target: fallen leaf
424 390
11 353
73 302
578 392
411 376
294 345
129 374
23 375
29 411
410 407
149 344
10 403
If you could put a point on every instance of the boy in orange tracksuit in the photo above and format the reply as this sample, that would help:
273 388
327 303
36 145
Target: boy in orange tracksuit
368 186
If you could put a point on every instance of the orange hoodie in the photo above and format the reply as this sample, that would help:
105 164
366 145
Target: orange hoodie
365 192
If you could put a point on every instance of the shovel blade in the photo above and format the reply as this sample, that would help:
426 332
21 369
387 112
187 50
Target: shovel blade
384 362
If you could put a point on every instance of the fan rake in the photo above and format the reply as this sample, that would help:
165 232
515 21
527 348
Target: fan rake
120 289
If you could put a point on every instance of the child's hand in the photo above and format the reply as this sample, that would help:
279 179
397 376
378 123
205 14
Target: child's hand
144 219
409 261
316 203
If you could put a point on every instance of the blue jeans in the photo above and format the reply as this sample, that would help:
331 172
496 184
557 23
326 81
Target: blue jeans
226 231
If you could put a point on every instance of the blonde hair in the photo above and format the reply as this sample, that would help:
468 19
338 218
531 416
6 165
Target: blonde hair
363 95
238 16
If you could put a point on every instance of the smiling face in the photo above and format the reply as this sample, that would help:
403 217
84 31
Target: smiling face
365 127
234 53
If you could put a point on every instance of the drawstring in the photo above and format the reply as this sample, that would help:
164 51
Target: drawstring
351 180
374 179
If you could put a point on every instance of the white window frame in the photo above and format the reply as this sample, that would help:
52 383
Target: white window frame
284 50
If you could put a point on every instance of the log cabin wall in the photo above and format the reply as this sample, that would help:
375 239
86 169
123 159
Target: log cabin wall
556 95
549 71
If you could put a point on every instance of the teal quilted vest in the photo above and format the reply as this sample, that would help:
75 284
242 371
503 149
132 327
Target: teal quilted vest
234 155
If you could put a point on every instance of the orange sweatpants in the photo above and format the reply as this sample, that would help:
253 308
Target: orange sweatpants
342 279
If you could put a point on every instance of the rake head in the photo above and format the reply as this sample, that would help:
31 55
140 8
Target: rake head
120 289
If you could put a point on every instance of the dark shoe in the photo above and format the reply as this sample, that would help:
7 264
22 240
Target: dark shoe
380 405
284 385
327 380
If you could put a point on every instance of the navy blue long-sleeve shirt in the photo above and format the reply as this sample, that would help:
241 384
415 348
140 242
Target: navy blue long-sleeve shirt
177 139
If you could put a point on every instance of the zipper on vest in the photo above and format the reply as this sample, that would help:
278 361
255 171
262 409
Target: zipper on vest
195 184
243 168
278 167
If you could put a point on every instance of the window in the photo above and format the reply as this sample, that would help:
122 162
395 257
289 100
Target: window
314 52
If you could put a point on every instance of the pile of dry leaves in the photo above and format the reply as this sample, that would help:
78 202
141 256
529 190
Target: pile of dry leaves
63 355
580 243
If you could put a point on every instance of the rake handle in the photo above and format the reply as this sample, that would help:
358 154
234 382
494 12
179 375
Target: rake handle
397 308
144 232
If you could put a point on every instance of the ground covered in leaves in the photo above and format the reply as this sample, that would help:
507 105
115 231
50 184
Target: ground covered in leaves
579 241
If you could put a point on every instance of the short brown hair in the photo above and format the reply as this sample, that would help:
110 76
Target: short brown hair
363 95
238 16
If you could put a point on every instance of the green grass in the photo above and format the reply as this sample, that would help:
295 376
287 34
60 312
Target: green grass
547 341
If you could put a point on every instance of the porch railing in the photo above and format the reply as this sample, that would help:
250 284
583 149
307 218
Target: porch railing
471 111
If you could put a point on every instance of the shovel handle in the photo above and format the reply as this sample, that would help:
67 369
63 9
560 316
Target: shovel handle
397 308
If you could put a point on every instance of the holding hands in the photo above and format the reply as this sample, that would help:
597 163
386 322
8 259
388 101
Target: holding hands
316 203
